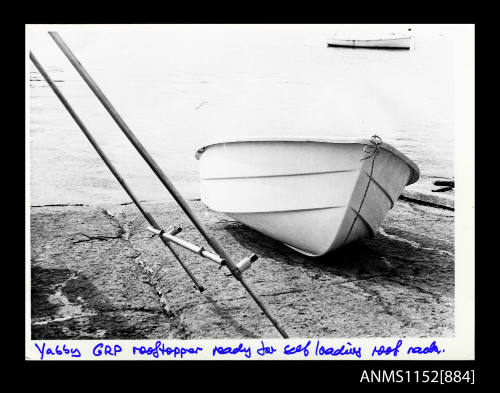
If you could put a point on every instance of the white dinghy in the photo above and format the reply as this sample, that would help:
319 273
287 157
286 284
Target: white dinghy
385 41
312 194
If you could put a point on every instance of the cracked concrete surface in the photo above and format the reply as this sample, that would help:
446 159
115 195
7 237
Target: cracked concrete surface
97 273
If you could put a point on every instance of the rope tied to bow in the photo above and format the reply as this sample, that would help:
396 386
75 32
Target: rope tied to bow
370 150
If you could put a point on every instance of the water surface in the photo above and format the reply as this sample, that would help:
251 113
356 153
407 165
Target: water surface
184 86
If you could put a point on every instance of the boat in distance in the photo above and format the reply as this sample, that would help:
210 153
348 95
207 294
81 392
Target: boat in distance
387 41
312 194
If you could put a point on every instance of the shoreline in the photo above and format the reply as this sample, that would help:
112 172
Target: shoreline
97 273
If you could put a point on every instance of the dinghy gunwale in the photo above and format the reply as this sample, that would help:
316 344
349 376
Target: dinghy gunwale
370 39
414 170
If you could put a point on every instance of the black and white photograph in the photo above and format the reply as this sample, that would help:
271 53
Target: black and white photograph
194 182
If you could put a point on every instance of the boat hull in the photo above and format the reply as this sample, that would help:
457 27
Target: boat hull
313 196
390 43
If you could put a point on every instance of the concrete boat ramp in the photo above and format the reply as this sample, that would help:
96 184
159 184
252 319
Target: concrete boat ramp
97 273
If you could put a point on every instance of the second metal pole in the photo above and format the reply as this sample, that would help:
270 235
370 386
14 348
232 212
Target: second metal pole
110 166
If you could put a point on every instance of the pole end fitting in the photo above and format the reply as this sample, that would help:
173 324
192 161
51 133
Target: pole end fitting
222 264
246 262
174 230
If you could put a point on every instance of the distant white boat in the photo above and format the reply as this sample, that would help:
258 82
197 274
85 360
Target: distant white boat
386 41
312 194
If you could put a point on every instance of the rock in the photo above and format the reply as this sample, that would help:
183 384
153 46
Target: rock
447 183
443 189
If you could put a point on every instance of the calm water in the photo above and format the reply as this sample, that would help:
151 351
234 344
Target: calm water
182 87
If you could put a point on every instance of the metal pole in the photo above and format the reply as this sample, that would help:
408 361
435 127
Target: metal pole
108 163
212 241
188 246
